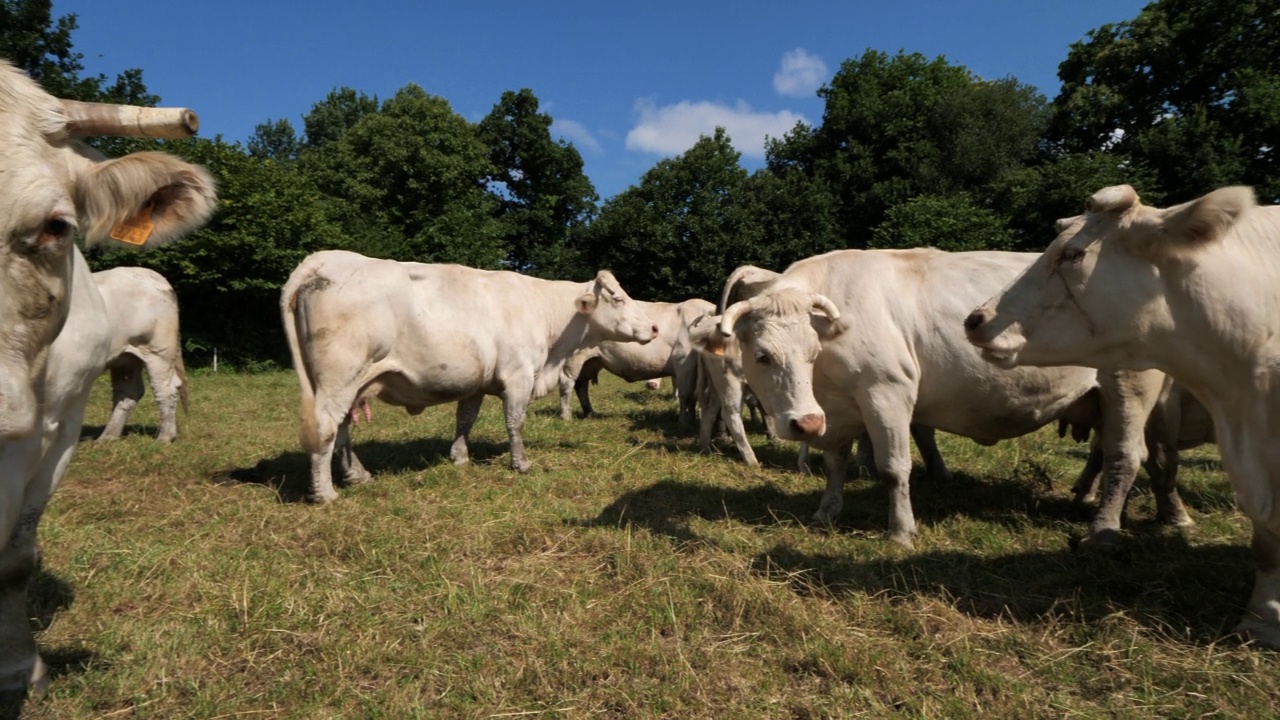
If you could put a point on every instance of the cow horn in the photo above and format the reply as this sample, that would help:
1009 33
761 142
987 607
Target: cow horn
747 274
731 315
86 119
1118 197
823 304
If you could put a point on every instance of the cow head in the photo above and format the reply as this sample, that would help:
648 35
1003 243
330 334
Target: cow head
1098 295
779 334
53 189
613 315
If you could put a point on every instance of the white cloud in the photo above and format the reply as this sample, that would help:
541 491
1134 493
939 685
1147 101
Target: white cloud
672 129
801 74
578 134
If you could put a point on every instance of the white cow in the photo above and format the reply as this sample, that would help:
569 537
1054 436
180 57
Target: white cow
862 341
142 311
416 335
669 355
1190 290
54 338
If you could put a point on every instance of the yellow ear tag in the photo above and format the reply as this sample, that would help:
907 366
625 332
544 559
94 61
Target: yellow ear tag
136 229
718 350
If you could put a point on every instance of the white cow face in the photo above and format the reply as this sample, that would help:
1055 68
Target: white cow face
1098 295
780 334
613 315
53 189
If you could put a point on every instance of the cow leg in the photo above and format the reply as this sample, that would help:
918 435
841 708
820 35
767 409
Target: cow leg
126 390
1261 621
353 472
1162 466
835 463
712 405
468 411
1085 491
566 393
684 383
731 413
1127 400
582 386
865 460
20 510
165 385
515 402
893 465
802 459
926 442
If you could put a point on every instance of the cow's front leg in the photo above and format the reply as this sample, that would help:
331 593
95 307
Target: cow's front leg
20 665
566 394
468 411
515 402
166 385
1127 400
1261 621
353 473
893 465
1085 491
835 463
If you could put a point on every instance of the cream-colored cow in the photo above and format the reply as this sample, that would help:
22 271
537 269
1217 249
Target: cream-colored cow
1190 290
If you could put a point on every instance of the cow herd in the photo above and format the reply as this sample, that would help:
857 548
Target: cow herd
1150 329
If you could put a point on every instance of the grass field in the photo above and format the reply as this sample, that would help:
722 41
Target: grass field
626 576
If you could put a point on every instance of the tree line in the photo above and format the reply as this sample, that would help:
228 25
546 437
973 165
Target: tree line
910 151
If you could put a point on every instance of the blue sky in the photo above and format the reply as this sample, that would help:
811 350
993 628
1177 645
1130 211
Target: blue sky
627 83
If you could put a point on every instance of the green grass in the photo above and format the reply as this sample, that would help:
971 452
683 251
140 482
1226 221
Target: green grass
626 576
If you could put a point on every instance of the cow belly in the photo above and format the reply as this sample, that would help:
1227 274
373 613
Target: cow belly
448 383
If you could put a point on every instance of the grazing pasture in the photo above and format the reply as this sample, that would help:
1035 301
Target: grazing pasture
625 576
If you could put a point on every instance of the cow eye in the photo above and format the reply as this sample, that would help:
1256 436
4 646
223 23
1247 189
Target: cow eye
764 358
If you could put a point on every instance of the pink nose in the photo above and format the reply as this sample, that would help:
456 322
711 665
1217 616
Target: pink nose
809 425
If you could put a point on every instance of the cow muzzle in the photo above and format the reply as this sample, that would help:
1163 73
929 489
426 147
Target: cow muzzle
999 346
805 427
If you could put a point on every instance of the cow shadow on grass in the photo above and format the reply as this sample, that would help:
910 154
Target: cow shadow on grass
666 507
289 473
1188 593
47 596
91 432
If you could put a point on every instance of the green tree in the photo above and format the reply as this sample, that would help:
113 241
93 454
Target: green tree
40 45
682 229
897 127
411 183
275 140
948 222
543 194
1189 89
338 112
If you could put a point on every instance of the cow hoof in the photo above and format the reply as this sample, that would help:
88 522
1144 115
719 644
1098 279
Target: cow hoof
903 538
358 478
459 459
322 498
166 438
108 438
824 518
1181 520
1104 540
39 677
522 466
1259 633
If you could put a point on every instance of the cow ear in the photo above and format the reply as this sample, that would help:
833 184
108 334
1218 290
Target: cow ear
704 333
146 198
587 303
1209 218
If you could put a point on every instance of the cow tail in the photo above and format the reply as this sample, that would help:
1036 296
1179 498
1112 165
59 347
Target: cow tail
309 434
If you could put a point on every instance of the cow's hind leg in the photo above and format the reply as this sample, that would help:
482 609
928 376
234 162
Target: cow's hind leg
468 411
353 473
126 390
1162 466
926 442
320 449
165 385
